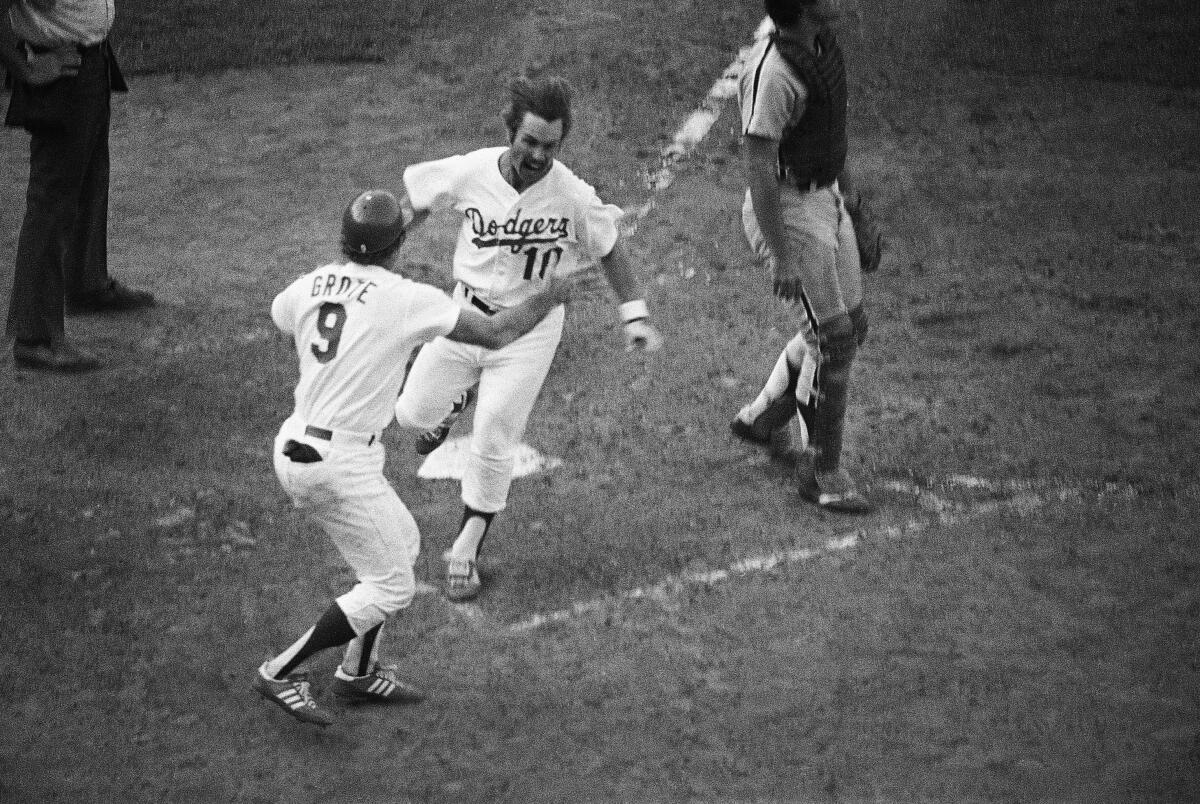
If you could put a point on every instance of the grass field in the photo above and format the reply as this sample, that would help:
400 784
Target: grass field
1016 622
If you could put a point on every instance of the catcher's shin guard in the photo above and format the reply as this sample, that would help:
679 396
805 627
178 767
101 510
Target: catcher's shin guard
838 348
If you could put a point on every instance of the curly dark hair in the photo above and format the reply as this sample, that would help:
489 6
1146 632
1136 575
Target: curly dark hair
549 98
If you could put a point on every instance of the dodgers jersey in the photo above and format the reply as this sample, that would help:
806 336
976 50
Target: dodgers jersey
511 242
771 96
355 327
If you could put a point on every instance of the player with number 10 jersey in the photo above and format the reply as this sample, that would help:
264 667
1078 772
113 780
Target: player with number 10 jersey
509 241
525 218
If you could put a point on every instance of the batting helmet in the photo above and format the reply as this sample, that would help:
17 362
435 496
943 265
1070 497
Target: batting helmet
373 224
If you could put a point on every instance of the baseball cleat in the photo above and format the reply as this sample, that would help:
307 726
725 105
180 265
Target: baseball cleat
430 440
462 579
778 442
381 685
293 696
834 491
747 433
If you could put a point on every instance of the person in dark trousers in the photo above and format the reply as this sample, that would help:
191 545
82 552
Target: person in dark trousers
62 71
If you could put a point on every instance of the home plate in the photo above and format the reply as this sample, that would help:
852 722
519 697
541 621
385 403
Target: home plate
449 461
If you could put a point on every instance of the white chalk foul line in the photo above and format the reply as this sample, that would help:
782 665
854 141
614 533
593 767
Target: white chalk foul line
1021 495
694 129
1024 501
663 590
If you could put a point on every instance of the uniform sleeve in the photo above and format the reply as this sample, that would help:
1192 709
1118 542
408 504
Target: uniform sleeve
434 185
431 312
283 308
598 225
770 99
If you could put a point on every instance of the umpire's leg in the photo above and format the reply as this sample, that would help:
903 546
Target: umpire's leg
66 164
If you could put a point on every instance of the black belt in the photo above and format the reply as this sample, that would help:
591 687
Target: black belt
477 302
326 435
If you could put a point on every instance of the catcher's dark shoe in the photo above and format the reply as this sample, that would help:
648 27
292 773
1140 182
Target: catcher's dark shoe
777 442
56 354
430 440
747 433
113 297
381 685
293 695
834 491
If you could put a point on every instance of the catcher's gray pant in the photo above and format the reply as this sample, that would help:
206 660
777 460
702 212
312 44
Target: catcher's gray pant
348 496
815 365
821 237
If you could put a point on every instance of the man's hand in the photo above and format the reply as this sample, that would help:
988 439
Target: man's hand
786 276
641 335
564 287
46 68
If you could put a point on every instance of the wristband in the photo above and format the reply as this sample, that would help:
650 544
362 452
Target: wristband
633 310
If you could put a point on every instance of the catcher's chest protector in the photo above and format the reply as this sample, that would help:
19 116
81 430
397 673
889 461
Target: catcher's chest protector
815 148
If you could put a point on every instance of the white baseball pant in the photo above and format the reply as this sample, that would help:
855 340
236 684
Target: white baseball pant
348 496
510 380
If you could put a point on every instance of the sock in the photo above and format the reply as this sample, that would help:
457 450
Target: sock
776 389
471 533
331 630
790 385
362 653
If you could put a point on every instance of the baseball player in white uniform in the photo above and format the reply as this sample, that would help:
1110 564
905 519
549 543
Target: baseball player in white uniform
525 218
355 325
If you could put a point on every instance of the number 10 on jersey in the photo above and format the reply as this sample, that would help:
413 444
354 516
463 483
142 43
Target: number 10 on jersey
550 259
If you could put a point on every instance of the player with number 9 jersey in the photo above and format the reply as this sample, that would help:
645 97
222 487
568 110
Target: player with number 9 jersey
355 325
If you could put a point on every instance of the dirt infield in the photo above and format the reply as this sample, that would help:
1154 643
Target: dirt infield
664 620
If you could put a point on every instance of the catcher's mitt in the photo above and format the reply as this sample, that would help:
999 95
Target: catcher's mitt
866 232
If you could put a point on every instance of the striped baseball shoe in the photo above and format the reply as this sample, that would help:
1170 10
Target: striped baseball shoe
430 440
381 685
462 579
293 696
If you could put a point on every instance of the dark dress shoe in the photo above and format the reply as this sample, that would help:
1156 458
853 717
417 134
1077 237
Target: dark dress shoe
57 355
113 297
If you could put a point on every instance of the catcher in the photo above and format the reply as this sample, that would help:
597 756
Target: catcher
354 324
805 218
